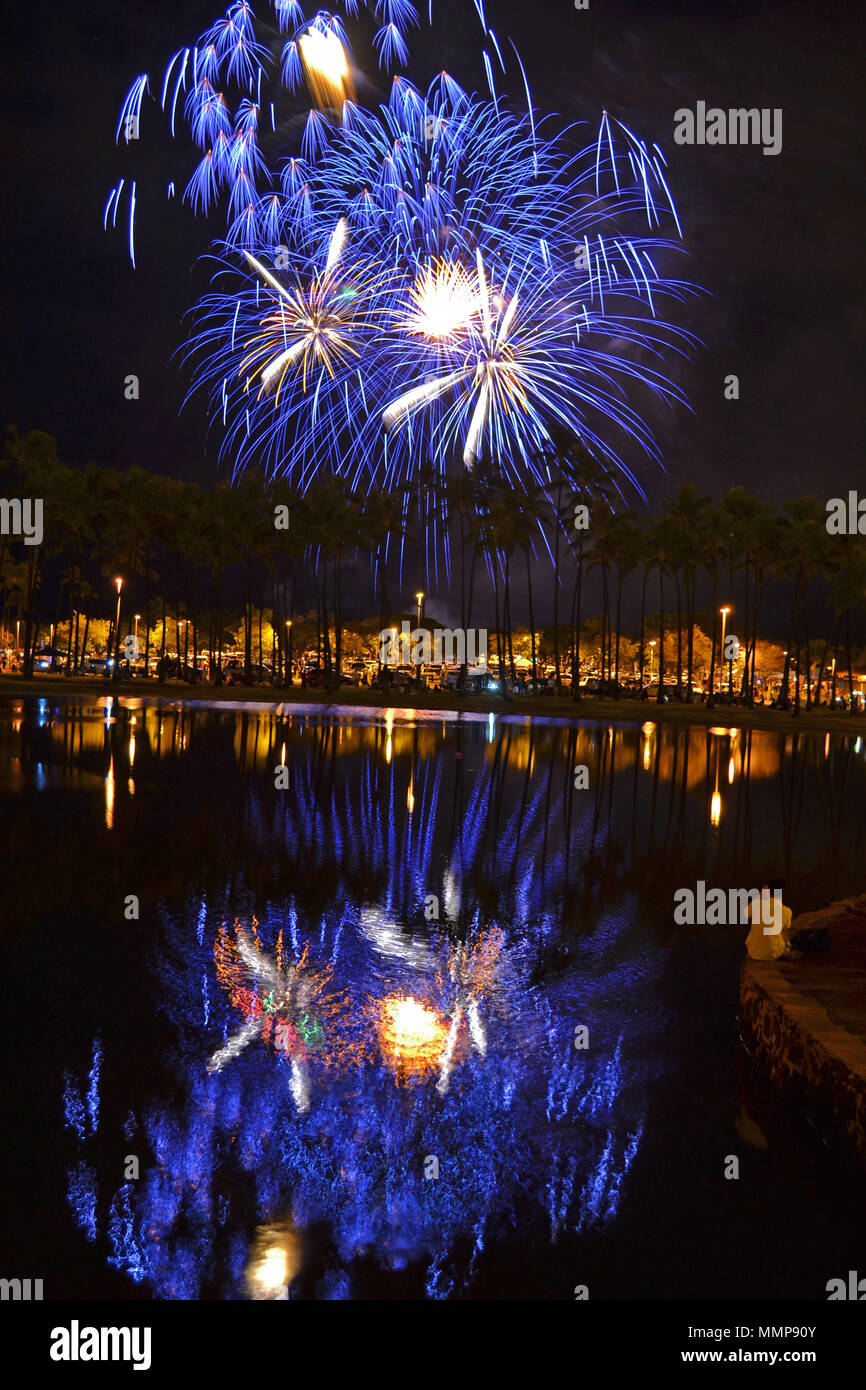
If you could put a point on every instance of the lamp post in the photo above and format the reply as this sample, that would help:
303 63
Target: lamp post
137 617
119 583
420 601
724 612
289 653
652 655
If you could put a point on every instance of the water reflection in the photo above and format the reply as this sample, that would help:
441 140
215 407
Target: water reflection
409 1007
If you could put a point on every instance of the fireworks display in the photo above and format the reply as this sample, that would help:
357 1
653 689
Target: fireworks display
438 278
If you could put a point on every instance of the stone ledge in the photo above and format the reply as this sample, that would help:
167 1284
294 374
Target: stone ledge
804 1023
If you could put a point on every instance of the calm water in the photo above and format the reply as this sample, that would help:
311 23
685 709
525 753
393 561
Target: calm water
335 1054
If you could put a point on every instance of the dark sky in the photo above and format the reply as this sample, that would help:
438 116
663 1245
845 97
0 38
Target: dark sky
775 240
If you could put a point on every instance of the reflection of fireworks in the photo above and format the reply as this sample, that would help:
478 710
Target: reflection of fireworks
286 1005
412 1035
517 1116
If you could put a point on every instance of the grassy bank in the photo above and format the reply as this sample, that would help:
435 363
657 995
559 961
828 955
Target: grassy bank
635 711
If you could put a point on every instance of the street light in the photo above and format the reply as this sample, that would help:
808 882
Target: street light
289 653
419 598
724 612
119 583
652 654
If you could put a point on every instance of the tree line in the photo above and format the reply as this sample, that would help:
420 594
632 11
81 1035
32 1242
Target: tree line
184 548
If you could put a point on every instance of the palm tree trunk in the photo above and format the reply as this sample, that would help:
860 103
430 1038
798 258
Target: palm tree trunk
532 630
642 622
660 694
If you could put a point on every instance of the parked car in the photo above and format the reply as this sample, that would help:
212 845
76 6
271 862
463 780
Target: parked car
311 675
235 674
354 671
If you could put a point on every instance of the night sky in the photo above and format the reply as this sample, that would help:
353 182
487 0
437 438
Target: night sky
775 241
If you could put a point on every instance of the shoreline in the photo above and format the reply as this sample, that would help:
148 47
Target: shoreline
804 1025
552 707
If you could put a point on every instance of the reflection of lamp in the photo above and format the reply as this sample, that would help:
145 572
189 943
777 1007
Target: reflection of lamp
716 802
274 1261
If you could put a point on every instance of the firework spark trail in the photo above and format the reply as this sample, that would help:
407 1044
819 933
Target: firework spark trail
455 281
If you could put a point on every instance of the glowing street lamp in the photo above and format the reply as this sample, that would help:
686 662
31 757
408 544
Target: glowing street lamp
419 599
724 612
652 655
119 584
289 652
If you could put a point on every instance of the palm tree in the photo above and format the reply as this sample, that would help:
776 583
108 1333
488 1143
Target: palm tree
714 540
687 511
595 489
802 544
662 549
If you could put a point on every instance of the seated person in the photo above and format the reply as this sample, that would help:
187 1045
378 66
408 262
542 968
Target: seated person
768 937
